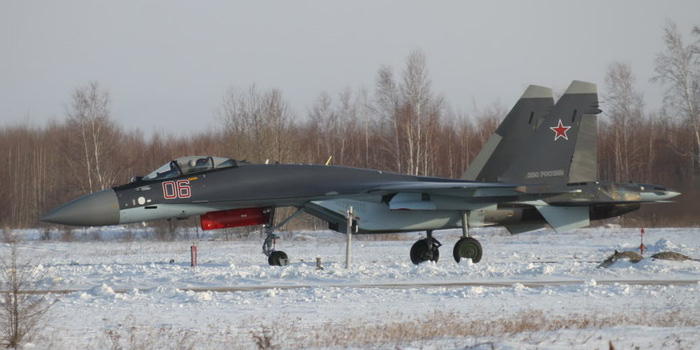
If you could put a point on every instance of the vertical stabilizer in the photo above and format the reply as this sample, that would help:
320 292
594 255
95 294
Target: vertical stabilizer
584 165
510 137
563 148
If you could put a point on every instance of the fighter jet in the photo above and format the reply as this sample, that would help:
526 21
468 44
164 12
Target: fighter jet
539 168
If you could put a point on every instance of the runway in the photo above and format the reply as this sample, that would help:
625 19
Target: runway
408 285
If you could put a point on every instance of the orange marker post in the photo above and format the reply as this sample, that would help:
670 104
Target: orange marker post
193 255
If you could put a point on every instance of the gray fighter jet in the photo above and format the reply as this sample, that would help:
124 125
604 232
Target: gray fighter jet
538 168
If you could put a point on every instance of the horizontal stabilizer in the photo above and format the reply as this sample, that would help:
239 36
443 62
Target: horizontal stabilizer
565 218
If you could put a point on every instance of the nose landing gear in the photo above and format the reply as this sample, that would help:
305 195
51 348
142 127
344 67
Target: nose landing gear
276 257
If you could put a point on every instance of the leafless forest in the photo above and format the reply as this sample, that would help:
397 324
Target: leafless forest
400 124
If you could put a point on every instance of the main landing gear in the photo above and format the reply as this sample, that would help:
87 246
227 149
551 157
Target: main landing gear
426 249
466 248
275 257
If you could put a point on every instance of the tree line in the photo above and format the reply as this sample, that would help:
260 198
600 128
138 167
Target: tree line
401 125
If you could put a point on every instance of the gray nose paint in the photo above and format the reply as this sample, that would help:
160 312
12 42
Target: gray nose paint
100 208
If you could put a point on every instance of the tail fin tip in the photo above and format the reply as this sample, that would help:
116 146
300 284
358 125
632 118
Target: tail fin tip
581 87
536 91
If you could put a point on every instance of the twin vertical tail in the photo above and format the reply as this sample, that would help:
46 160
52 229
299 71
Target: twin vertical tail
515 130
543 142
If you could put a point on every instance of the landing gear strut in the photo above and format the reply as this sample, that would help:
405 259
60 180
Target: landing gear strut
467 247
275 257
426 249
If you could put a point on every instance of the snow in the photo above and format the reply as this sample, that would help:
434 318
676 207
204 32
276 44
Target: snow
538 290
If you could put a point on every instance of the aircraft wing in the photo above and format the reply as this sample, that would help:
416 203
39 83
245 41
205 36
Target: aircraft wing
437 186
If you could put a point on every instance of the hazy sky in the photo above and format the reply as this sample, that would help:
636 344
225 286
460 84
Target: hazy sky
167 64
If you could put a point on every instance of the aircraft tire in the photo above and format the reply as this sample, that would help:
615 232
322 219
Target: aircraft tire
278 258
420 252
467 247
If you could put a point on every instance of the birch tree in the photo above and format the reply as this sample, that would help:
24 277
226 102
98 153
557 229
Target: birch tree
624 108
387 108
678 70
421 113
341 128
256 124
94 139
410 115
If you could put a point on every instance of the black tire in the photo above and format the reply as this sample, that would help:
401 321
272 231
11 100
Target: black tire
278 258
467 247
420 252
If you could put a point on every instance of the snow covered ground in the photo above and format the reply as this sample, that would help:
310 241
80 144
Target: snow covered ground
538 290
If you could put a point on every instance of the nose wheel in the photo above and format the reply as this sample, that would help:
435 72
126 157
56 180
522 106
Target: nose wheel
278 258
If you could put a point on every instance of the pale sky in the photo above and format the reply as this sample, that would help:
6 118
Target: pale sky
167 64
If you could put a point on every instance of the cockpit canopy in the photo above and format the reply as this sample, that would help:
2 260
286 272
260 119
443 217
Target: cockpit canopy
189 165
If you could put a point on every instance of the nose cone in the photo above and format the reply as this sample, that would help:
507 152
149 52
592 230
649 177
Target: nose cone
97 209
671 193
659 194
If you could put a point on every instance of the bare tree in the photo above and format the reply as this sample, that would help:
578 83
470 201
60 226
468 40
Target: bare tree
409 115
421 113
387 105
340 128
28 155
624 110
95 139
257 123
20 311
457 145
320 114
364 111
678 69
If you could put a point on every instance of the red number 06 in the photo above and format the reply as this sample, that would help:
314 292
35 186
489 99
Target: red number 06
179 189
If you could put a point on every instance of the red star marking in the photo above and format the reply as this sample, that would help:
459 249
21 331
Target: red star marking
560 131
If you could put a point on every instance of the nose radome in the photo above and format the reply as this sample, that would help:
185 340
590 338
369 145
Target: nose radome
671 194
97 209
659 195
